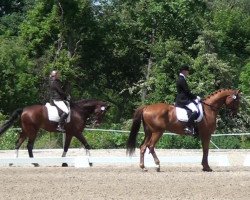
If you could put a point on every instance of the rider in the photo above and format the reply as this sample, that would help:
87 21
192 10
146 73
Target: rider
185 98
58 97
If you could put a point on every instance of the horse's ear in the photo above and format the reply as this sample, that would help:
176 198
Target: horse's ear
238 92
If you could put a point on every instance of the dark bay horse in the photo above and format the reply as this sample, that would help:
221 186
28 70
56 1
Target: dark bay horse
159 117
35 117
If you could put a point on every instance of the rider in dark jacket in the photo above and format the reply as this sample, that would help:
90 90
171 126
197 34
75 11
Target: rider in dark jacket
59 98
185 98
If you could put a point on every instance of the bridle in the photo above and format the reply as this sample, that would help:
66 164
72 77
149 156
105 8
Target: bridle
235 98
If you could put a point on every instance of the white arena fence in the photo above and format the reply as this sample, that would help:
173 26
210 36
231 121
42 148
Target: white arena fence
108 157
166 133
220 158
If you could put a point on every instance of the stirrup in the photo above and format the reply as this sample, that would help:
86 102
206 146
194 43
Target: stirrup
60 129
189 131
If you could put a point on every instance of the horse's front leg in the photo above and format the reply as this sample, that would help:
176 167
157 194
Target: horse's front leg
82 139
68 139
154 139
205 147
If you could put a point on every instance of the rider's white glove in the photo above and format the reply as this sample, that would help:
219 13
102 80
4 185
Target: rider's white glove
198 98
68 97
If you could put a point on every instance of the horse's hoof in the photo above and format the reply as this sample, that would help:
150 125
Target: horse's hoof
144 169
158 168
207 169
35 164
91 164
10 164
88 147
64 165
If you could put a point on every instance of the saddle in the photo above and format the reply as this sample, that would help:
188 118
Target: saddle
53 113
182 114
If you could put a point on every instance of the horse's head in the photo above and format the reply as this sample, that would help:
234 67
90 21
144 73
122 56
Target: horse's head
233 101
93 109
99 112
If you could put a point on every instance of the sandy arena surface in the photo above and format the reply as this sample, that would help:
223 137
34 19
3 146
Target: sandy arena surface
126 181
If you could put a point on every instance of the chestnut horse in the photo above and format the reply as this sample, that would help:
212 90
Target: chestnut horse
159 117
36 116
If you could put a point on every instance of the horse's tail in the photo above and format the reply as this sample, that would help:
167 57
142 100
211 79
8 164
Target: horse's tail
131 143
11 121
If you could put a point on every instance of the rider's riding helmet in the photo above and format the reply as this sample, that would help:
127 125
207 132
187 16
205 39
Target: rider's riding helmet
184 67
54 73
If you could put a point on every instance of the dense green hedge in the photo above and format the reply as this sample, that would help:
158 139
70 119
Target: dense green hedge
7 141
113 140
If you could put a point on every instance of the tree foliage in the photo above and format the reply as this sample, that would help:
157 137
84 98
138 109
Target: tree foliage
123 51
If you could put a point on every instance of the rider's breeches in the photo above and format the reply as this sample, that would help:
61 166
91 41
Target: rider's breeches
62 106
192 107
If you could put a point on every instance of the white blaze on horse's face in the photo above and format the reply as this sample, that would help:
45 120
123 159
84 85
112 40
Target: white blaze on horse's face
232 102
103 108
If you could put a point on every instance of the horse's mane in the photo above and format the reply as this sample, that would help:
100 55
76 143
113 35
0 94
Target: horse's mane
86 102
216 92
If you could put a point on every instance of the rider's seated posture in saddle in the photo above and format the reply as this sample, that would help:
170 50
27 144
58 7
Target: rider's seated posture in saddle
185 99
58 98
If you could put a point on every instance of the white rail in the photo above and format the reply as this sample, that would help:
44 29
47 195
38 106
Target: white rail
47 161
78 157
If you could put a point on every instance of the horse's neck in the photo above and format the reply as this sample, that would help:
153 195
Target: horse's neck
85 111
89 111
217 100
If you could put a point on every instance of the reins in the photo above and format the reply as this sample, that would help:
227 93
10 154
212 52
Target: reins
211 106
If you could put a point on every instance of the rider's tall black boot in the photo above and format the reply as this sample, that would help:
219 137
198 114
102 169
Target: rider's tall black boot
61 122
189 129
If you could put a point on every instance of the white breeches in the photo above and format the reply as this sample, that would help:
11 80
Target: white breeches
62 106
192 107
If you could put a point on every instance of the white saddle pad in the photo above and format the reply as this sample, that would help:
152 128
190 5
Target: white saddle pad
53 114
182 115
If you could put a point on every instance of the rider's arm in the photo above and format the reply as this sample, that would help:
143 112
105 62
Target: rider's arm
187 90
58 87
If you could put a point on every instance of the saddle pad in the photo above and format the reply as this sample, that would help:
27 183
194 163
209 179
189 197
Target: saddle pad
53 114
182 115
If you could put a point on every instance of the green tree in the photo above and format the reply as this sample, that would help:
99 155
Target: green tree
16 77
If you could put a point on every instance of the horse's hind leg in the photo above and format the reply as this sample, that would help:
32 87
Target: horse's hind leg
142 154
19 142
66 147
143 147
154 139
30 146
